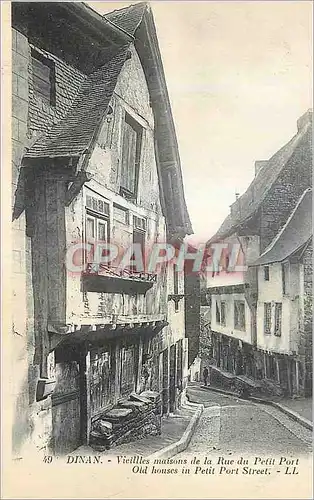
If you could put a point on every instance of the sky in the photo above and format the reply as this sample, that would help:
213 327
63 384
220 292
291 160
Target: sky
239 75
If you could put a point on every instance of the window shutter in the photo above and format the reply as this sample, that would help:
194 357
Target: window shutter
128 167
43 77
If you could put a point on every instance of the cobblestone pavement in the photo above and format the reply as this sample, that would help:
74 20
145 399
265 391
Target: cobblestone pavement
230 426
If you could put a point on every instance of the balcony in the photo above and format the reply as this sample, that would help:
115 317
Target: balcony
102 278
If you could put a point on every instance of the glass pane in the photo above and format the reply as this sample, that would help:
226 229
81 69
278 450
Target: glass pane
90 227
120 214
89 201
102 231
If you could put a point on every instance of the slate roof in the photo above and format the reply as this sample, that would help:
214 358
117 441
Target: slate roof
74 133
128 18
294 235
251 200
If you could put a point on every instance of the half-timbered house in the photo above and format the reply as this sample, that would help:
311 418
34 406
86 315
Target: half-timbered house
95 161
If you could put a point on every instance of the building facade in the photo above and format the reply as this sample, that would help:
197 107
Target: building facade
284 316
95 163
240 292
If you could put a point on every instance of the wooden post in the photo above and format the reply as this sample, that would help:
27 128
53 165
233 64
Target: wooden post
117 372
85 396
290 389
160 381
165 381
88 402
176 375
139 366
168 379
185 365
297 383
265 366
277 370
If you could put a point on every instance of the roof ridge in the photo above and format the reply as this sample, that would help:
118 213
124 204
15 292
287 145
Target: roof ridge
128 18
127 7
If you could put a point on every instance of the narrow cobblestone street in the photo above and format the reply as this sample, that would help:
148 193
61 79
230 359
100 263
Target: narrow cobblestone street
231 426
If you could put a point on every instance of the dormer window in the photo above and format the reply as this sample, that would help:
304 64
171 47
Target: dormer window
130 161
43 72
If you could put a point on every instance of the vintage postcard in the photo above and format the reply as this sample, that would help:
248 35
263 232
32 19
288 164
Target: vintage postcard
157 249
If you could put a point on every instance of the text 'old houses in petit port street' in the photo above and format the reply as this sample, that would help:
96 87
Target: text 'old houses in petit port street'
99 357
259 321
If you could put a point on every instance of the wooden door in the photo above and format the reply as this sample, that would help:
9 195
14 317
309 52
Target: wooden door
102 379
127 371
66 414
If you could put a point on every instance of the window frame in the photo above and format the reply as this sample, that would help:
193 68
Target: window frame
278 319
36 55
126 211
237 325
267 318
223 313
98 218
139 130
218 315
266 270
285 273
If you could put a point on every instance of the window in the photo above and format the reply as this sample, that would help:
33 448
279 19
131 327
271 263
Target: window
266 273
239 315
217 313
223 313
284 278
267 318
278 319
96 223
139 235
97 204
139 223
120 214
43 70
131 151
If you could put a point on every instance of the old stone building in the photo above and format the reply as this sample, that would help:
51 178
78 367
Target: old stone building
95 161
284 302
248 302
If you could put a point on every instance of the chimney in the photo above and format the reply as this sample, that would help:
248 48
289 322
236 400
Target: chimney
237 195
304 119
259 164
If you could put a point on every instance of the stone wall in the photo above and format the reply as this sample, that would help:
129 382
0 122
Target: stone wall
20 246
282 198
308 318
131 420
31 420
